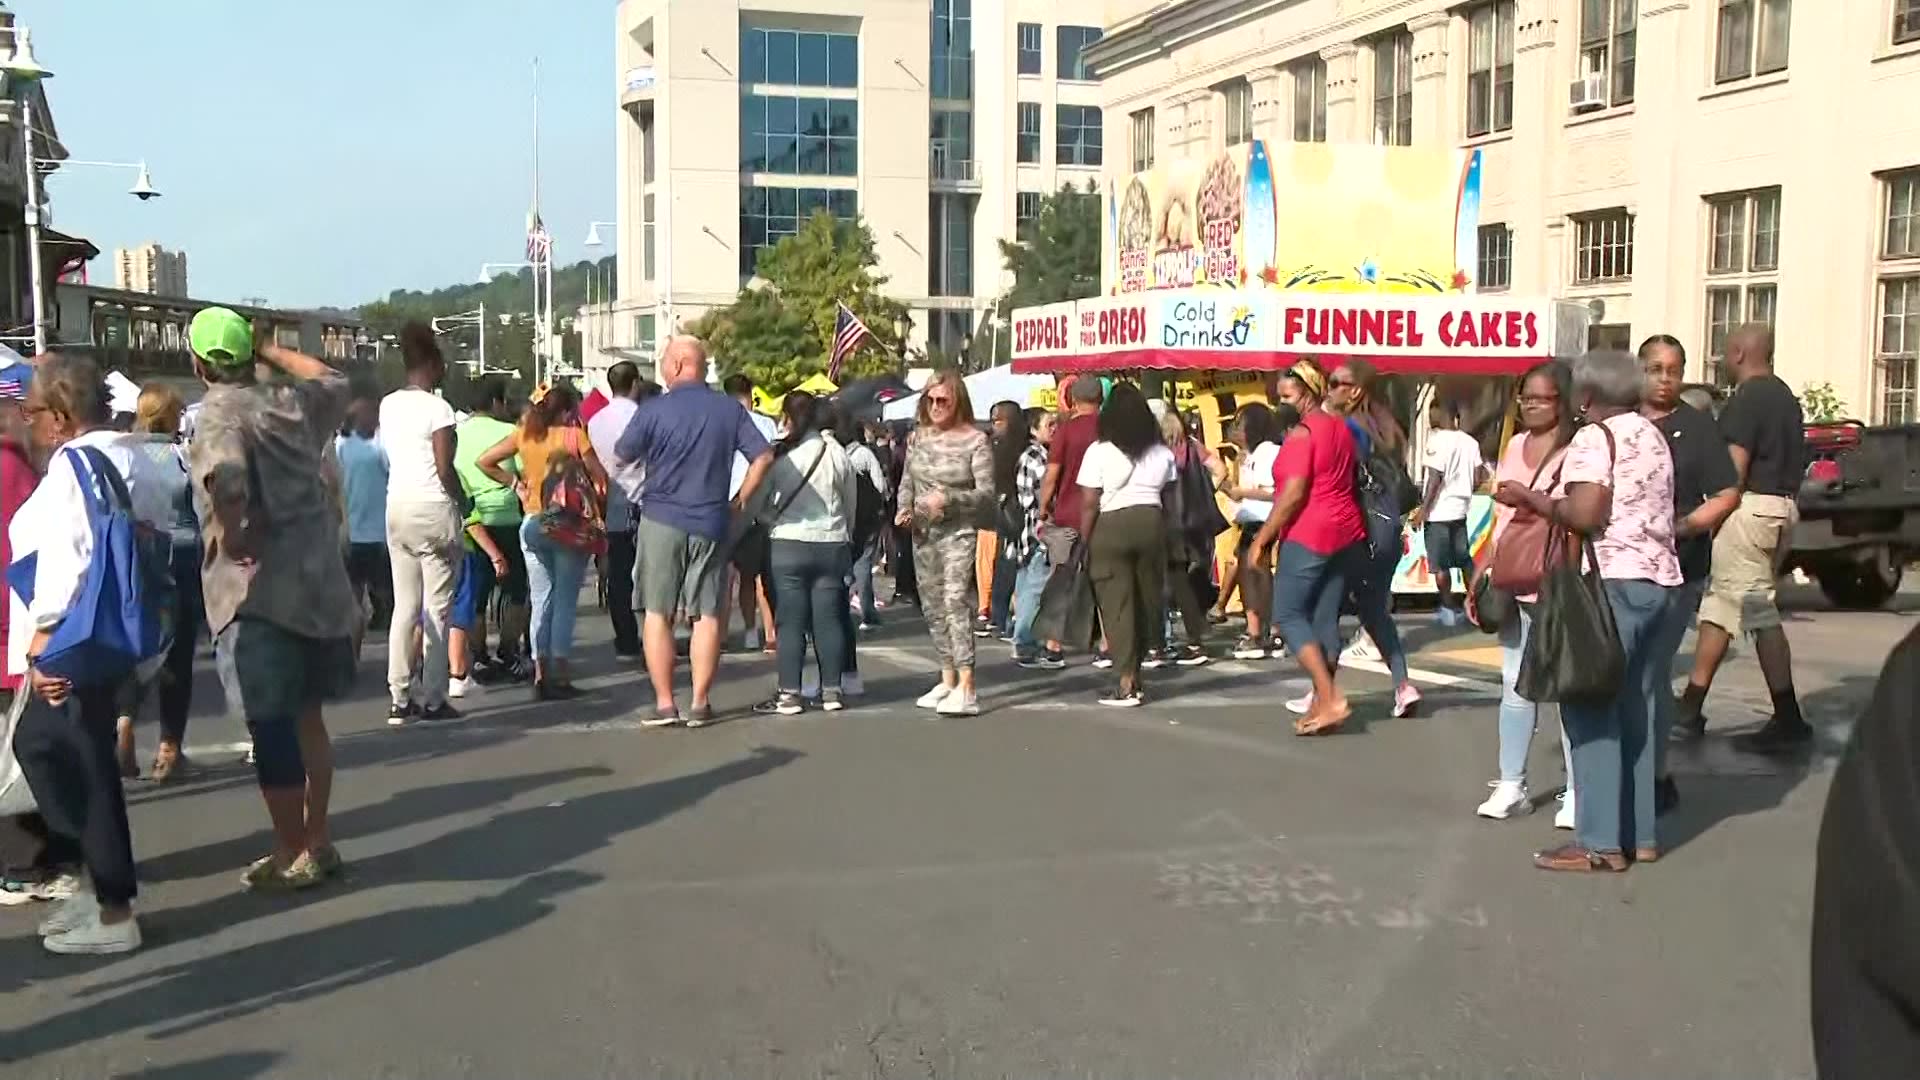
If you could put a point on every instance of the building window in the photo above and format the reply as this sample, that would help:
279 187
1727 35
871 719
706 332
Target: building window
950 218
1490 68
1142 140
646 150
643 331
769 215
952 39
1897 342
1076 136
952 142
1495 270
1029 48
1236 97
799 136
646 237
1906 21
797 58
1072 42
1309 99
1743 260
1029 139
1607 45
1026 214
1393 89
1603 246
1752 38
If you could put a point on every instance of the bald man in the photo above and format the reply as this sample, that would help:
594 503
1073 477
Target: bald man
686 439
1766 434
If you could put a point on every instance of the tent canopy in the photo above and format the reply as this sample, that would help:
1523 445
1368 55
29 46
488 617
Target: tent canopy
984 389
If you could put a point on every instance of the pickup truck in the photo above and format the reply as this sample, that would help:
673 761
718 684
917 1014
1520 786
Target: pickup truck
1859 510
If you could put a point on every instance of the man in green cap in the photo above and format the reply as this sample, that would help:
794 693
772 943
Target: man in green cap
278 601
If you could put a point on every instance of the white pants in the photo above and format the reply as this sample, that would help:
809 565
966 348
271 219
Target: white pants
423 543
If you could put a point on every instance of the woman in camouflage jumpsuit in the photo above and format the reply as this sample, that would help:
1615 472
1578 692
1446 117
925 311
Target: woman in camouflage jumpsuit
945 490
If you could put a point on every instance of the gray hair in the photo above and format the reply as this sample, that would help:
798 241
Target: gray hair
1609 377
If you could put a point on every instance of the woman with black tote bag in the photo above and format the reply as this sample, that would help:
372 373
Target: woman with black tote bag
1611 570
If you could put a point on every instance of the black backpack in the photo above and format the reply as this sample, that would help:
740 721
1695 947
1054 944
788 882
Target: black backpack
869 511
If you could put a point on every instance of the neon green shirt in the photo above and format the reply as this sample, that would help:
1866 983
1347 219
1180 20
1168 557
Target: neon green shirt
493 503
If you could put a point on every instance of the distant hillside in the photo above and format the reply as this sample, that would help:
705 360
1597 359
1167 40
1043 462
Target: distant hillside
508 294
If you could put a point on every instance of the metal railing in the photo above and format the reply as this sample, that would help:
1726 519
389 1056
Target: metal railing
945 167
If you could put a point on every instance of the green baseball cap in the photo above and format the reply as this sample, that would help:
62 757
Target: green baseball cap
221 337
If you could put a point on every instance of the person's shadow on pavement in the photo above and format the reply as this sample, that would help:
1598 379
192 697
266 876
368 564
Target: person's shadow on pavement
526 844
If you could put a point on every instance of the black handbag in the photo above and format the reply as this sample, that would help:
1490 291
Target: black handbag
1573 653
1489 606
1066 610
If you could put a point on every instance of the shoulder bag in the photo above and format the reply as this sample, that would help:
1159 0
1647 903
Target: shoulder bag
1519 557
1573 653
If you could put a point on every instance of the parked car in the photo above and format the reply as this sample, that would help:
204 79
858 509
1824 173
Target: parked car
1859 510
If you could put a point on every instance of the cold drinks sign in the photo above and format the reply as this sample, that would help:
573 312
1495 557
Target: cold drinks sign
1266 330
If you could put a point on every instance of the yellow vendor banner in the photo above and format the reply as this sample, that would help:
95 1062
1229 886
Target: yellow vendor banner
1305 216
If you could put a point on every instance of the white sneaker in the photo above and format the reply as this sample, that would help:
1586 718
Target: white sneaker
459 688
1361 648
1301 705
1564 818
74 911
810 683
1509 798
935 696
750 640
957 703
851 685
95 938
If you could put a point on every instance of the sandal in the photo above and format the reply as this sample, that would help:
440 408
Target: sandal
302 873
329 861
1572 858
169 766
1323 721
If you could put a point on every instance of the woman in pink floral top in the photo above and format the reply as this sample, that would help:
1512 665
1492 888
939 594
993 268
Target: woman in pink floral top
1616 487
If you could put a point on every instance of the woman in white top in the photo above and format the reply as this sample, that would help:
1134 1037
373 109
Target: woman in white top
809 519
1260 430
1123 479
65 737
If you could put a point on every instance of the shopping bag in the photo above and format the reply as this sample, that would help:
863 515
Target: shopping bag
15 797
1573 652
1066 611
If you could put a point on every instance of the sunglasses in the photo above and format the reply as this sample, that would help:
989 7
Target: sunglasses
939 400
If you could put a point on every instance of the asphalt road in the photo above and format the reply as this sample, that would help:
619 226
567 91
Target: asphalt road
1050 889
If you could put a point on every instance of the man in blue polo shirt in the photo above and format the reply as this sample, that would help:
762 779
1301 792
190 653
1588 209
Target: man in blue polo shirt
686 439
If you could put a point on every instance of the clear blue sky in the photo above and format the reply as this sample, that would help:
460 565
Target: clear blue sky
326 153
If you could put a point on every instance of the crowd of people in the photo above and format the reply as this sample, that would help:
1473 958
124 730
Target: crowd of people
298 514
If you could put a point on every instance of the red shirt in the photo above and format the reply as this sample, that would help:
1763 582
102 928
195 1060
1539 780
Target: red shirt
1070 442
1330 520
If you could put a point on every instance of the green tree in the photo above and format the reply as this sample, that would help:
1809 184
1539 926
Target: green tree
1823 404
779 330
1058 258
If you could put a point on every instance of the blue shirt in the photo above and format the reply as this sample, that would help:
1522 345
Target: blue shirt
686 438
363 467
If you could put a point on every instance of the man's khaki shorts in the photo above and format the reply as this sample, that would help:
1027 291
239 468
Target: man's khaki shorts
1740 595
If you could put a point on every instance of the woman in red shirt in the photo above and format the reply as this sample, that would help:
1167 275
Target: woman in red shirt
1323 541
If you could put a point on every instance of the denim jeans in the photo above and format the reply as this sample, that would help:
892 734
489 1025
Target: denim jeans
1004 584
554 574
1373 595
1027 587
1307 590
1686 603
1611 741
1518 716
811 580
863 583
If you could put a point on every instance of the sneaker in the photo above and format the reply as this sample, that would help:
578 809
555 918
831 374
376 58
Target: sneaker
750 640
440 712
71 912
1361 648
1563 818
982 627
1406 701
1103 659
1123 699
1005 637
400 713
933 698
1301 705
1050 660
958 703
1509 798
699 716
810 684
1447 616
660 718
461 687
784 703
1155 658
869 626
18 890
1192 656
831 700
95 938
1249 649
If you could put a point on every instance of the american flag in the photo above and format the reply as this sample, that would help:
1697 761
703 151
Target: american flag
13 381
539 240
848 333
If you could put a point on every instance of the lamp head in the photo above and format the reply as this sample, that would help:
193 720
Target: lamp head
593 236
143 188
22 65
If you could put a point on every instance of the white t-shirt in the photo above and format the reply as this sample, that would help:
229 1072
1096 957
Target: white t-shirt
408 419
1455 455
1122 481
768 431
1257 471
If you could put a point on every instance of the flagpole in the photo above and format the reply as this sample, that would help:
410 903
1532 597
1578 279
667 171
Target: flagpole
542 348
